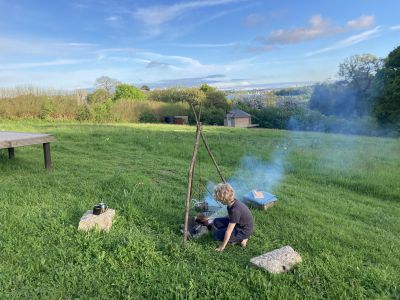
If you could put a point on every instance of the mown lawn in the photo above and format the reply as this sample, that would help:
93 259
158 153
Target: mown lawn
339 207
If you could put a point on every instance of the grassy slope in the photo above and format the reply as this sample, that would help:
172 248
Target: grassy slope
339 206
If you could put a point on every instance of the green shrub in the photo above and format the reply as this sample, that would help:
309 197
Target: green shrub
271 117
102 111
128 92
176 95
216 99
46 110
131 111
83 113
213 116
148 117
99 96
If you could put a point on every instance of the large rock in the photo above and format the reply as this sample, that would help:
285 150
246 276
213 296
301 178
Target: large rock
277 261
89 221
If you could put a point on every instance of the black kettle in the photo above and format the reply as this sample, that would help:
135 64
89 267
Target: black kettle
100 208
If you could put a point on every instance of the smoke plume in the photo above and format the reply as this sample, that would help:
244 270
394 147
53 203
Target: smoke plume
253 173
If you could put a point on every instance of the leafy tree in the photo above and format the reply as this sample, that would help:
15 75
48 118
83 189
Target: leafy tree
145 88
271 117
387 107
173 95
358 72
337 99
213 116
255 100
193 96
99 96
271 99
216 99
206 88
289 92
127 91
107 83
163 95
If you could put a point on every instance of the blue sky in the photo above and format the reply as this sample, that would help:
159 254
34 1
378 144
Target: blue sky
226 43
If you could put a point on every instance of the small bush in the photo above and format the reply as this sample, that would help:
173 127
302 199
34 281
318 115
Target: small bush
148 117
213 116
83 113
46 110
128 92
131 111
99 96
102 111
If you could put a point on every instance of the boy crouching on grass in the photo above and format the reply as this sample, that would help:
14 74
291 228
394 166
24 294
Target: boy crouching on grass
238 226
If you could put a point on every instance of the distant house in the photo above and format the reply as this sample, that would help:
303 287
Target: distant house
237 118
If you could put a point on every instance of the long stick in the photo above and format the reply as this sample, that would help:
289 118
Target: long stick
197 123
189 191
212 157
207 147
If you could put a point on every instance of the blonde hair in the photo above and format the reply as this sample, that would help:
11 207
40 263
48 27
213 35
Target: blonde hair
224 193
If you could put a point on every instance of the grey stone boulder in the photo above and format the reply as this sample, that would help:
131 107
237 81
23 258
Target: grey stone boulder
102 222
277 261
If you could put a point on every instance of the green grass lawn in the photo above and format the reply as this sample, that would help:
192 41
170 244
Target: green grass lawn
339 207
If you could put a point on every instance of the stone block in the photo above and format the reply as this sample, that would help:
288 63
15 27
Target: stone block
103 222
277 261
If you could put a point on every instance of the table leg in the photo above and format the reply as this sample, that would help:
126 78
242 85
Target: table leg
11 153
47 156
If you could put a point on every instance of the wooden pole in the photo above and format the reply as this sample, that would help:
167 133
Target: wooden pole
190 176
11 153
212 157
47 156
199 133
207 147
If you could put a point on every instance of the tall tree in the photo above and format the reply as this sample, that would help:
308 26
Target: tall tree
387 107
107 83
358 72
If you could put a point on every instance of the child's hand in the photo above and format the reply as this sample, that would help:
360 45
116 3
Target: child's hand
219 249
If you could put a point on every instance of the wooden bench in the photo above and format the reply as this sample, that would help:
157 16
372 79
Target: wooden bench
10 140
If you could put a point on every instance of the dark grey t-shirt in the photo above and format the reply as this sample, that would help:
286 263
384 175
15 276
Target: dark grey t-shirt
240 214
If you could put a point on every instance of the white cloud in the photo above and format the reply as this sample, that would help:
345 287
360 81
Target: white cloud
351 40
318 27
119 50
79 45
59 62
155 16
205 45
182 62
361 23
12 45
395 27
112 18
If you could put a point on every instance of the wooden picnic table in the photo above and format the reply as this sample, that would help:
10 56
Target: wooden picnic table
10 140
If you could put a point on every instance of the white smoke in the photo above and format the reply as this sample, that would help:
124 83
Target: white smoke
253 173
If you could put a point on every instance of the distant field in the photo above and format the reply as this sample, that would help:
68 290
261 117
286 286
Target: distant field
339 207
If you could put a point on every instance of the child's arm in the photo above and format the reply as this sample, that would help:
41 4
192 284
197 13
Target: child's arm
227 236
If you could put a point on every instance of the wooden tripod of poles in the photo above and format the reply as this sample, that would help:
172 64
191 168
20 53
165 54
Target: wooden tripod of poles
199 133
